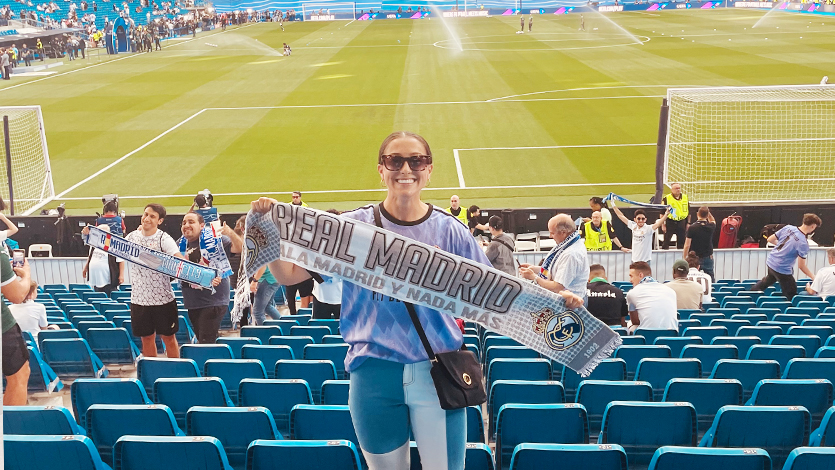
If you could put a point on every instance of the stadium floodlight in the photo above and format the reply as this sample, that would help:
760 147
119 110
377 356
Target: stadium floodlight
329 11
765 144
26 159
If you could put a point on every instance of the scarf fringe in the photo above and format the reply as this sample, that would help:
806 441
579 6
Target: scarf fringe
603 353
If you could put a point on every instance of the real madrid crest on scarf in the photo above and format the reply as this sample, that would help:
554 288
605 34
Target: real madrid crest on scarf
560 330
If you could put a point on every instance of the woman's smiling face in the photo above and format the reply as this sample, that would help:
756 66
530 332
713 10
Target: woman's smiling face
404 181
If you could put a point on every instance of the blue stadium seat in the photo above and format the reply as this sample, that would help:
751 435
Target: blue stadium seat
769 312
518 369
299 317
776 429
748 372
268 354
795 317
509 352
810 368
813 394
541 456
478 456
236 343
322 422
725 312
200 353
821 305
278 396
87 392
652 335
633 355
232 371
78 319
825 352
521 391
475 424
314 332
144 452
497 340
804 298
40 420
632 340
763 332
677 344
821 331
742 343
608 369
526 423
41 377
706 396
51 452
684 324
329 352
87 325
149 369
595 395
469 347
733 298
781 354
284 324
743 307
677 458
180 394
72 358
824 435
107 423
731 325
641 428
809 343
314 372
235 428
128 325
810 458
185 334
708 318
331 323
308 455
296 343
784 326
112 345
333 339
56 334
263 333
820 322
335 392
660 371
684 313
709 355
751 318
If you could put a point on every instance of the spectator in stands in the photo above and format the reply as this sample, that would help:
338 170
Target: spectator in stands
688 293
206 307
605 301
598 234
15 353
476 228
567 266
824 283
699 277
327 295
652 305
31 315
700 239
391 387
110 218
678 220
791 244
9 231
456 210
265 286
598 204
501 247
297 199
304 290
641 233
103 271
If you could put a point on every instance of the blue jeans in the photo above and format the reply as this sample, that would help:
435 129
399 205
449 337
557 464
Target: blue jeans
264 302
707 267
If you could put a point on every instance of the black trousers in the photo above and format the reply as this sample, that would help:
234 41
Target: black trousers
206 322
787 283
106 289
325 311
677 227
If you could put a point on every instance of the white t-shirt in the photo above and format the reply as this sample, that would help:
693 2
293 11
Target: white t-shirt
655 304
150 287
30 315
641 241
328 292
99 268
571 268
606 214
703 280
824 283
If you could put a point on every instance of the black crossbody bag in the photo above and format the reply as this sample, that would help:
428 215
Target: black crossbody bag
457 374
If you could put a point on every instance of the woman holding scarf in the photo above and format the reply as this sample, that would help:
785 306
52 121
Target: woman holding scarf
391 387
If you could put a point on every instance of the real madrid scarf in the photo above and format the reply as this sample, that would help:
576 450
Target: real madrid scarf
405 269
554 254
663 207
211 250
150 259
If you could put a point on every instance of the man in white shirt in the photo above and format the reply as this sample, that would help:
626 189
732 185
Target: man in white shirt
641 233
824 283
567 265
700 277
652 305
30 315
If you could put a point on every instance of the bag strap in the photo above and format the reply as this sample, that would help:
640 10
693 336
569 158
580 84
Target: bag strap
411 308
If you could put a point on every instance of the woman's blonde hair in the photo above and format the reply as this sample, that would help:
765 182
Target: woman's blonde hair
400 135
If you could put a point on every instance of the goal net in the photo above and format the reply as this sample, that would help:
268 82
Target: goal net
752 144
329 11
31 177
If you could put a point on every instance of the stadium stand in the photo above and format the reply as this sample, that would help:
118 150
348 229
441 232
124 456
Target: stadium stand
234 427
42 452
107 423
278 396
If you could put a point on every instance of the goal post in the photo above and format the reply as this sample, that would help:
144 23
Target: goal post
24 160
764 144
329 11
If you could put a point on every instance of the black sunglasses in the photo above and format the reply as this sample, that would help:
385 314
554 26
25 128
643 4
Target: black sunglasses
416 163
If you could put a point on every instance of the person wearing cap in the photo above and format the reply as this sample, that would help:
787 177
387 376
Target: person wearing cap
688 293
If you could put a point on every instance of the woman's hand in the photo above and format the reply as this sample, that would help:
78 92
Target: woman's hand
216 281
263 204
572 300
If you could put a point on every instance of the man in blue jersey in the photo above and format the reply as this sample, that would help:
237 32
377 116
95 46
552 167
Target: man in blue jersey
791 243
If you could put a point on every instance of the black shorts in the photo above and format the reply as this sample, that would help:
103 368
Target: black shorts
146 320
305 288
15 352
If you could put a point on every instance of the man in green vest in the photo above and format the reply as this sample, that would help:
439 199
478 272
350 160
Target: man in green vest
456 210
599 234
679 219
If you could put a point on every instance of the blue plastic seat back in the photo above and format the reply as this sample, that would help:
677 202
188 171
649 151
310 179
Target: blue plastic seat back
677 344
641 428
769 312
779 303
813 394
633 340
182 393
731 325
143 452
521 391
810 368
709 355
784 326
318 422
56 334
633 355
595 395
149 369
776 429
651 335
810 458
235 428
328 352
676 458
518 369
335 392
236 343
751 318
262 332
796 316
107 423
314 372
284 323
608 369
268 354
314 332
803 297
820 322
660 371
333 339
825 352
301 317
200 353
309 455
42 378
87 392
809 343
821 331
763 332
525 423
475 425
331 323
748 372
824 435
278 396
706 396
185 334
40 420
540 456
684 324
781 354
684 313
707 333
498 340
708 318
112 345
742 306
51 452
509 352
297 343
725 312
821 305
742 343
733 298
232 371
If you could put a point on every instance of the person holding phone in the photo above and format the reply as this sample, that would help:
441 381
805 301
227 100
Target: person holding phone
14 285
10 230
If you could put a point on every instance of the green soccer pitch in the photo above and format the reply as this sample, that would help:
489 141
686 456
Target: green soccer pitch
541 119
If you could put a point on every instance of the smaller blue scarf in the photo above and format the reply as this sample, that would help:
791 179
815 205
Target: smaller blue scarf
211 251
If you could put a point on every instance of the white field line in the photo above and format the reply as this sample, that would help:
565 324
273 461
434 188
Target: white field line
458 168
346 24
559 147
